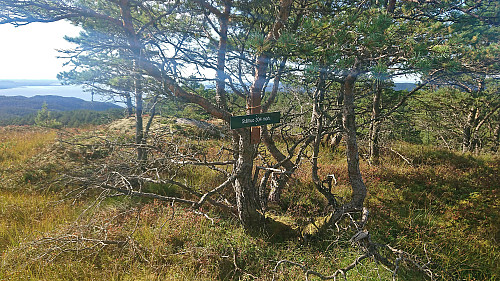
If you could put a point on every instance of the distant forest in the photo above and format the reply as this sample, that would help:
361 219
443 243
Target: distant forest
70 112
71 119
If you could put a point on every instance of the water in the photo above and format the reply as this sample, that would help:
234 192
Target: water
57 90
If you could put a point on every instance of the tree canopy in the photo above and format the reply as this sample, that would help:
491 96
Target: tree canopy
316 62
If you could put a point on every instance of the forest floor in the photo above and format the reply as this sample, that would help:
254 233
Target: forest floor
441 206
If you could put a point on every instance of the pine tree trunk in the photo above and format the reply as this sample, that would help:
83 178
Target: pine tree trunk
135 48
375 126
359 190
358 186
496 135
317 123
247 196
220 94
130 107
275 192
468 128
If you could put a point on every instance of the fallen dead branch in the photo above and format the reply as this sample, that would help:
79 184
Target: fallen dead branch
369 249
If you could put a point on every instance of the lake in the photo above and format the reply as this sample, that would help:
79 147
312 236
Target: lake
56 90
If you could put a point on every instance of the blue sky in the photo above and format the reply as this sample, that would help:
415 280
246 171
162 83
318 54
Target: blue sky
29 52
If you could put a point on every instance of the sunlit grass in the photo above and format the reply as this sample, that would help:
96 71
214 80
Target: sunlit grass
444 206
26 215
18 145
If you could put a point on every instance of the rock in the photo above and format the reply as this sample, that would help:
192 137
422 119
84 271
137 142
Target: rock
201 125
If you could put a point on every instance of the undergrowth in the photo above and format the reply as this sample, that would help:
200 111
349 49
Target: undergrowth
446 206
441 205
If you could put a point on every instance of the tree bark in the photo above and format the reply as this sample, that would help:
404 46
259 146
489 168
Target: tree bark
468 128
220 95
348 117
135 48
246 190
375 125
275 192
317 120
358 187
285 162
262 62
247 197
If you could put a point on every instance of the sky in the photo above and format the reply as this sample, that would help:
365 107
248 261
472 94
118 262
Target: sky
29 52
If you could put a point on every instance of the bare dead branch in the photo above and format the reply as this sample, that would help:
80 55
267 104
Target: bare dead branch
307 271
408 161
274 170
215 190
147 195
369 249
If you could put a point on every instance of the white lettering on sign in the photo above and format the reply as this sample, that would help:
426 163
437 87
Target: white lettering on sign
255 120
260 119
245 121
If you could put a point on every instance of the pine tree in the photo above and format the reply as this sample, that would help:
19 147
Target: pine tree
43 118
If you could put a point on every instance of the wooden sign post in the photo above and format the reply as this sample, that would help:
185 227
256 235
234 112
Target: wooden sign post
255 101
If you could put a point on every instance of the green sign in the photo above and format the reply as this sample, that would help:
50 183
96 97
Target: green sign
254 120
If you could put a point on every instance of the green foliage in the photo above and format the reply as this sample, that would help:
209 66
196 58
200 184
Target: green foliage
68 119
43 118
440 116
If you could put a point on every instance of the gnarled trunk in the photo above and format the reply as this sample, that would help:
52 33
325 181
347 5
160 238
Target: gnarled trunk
247 197
468 130
348 117
317 120
358 187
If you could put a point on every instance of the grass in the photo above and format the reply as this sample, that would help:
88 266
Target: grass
447 204
17 144
445 207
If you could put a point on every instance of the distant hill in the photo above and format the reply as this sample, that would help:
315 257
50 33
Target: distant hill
19 106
